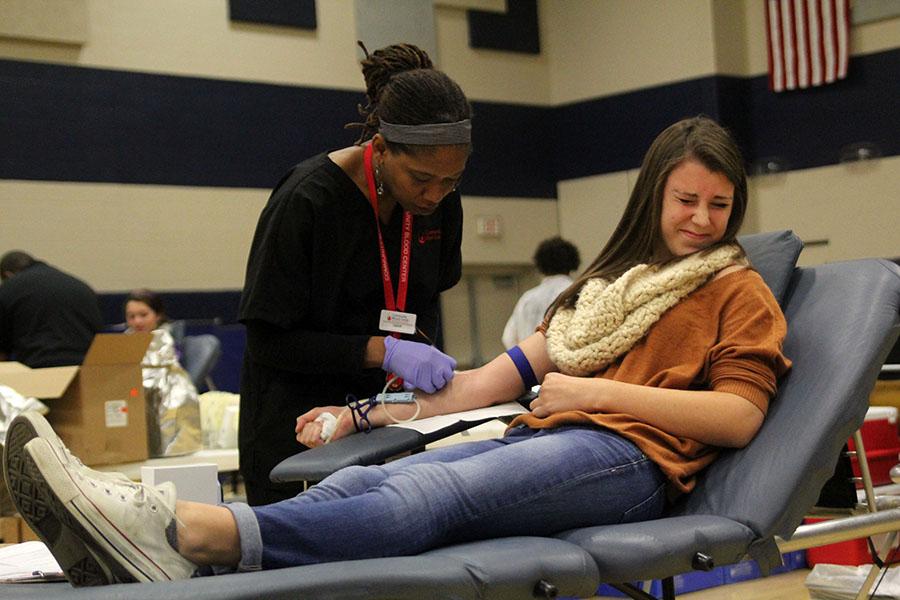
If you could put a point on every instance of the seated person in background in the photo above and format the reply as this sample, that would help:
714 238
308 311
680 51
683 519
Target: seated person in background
172 402
48 318
555 258
665 350
145 311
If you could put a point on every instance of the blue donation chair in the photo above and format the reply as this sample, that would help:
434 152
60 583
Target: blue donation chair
199 356
842 320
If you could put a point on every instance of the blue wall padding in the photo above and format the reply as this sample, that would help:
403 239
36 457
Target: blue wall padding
64 123
220 306
809 128
612 134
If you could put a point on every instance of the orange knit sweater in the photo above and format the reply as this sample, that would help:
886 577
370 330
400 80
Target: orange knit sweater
725 336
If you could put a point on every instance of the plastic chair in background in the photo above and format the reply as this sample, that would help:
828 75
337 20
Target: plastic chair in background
178 330
200 354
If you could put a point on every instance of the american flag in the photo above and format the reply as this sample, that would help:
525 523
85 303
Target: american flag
809 42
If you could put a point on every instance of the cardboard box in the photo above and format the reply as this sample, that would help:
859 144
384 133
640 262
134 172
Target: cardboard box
13 530
97 409
886 393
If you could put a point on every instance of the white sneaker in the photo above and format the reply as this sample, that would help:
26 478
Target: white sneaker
29 425
100 530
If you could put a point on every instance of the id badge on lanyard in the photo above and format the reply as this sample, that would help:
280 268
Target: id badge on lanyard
394 320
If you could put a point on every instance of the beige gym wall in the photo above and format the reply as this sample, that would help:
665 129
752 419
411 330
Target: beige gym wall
120 237
604 48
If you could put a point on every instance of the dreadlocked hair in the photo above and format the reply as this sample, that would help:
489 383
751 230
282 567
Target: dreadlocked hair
403 87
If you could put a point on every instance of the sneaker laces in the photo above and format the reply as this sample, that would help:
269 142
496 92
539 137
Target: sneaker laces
78 465
140 495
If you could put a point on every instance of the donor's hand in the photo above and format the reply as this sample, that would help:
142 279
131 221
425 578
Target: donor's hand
313 427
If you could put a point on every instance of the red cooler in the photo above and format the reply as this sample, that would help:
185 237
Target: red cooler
879 433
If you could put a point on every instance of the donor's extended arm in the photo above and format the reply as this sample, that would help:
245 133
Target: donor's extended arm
496 382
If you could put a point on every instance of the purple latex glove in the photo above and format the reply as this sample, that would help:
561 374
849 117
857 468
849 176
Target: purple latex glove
420 365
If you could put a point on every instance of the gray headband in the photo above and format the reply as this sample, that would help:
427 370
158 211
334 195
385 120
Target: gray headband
429 134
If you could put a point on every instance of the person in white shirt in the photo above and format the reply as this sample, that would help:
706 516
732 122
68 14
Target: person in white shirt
555 258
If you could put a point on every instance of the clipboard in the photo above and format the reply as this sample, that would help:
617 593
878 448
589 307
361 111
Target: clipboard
29 562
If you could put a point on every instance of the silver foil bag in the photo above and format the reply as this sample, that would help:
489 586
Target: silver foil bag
173 408
12 404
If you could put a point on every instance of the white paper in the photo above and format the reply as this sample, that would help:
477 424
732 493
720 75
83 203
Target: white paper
28 561
841 582
432 424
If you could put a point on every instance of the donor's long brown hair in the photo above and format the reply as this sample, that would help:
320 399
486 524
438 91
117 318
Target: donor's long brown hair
637 237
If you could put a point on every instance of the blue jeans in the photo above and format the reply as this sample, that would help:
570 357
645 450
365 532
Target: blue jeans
530 482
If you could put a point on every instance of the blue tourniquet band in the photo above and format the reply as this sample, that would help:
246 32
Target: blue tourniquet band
360 409
524 367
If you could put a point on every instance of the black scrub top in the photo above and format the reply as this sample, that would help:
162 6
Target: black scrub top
48 318
313 296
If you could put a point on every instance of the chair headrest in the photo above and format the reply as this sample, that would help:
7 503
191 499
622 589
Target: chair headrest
774 255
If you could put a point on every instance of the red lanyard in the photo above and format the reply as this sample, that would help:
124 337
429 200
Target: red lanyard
405 244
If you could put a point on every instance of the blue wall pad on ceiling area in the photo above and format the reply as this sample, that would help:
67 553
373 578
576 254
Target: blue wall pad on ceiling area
516 30
287 13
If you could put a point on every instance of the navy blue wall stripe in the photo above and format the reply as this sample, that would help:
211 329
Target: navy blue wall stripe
805 128
63 123
512 152
215 305
76 124
808 129
612 134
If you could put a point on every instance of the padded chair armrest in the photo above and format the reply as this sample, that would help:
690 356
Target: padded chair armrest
363 449
359 449
660 548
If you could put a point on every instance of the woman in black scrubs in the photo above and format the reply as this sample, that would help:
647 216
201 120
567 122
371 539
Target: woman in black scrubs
348 262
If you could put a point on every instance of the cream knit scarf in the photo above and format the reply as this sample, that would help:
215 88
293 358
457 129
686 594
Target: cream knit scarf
609 318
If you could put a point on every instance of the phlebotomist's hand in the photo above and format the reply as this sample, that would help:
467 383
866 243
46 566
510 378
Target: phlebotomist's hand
420 365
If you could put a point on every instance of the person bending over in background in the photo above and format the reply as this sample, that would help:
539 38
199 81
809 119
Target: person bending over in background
665 350
555 258
350 243
48 318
